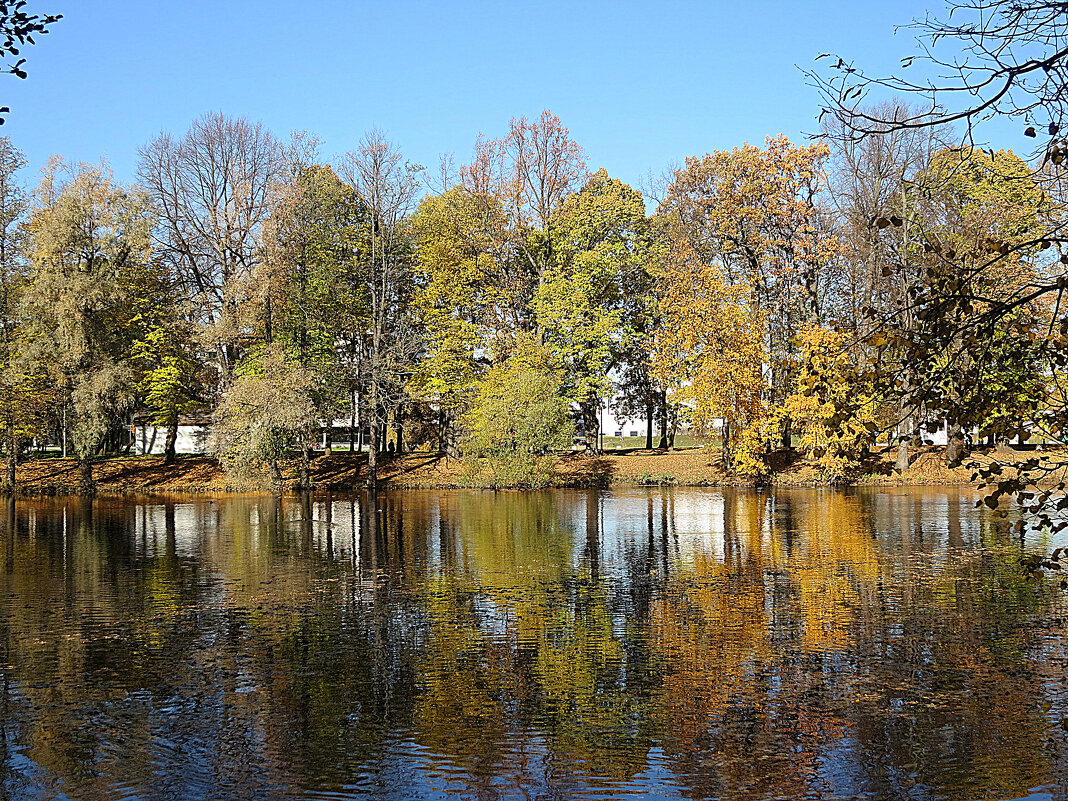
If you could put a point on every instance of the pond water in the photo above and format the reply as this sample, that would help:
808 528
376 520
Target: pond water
639 644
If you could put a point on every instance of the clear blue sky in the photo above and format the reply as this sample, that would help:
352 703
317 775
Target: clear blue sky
640 85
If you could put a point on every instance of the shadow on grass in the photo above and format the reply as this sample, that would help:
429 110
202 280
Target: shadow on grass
586 472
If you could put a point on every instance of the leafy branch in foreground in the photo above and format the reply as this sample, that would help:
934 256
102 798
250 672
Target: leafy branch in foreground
982 338
17 29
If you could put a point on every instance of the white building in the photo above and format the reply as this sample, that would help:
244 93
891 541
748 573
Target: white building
150 439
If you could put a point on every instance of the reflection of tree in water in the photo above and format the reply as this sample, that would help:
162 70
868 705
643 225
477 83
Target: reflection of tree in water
781 645
794 685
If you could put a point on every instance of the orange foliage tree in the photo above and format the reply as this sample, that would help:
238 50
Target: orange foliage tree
753 212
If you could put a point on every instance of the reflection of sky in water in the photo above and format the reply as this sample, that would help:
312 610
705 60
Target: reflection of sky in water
659 643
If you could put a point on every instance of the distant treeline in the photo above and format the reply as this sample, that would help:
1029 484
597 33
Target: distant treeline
768 294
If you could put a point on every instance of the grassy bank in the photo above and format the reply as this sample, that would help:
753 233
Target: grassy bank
343 471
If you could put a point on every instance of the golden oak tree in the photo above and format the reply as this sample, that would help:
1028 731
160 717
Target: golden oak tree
754 212
710 352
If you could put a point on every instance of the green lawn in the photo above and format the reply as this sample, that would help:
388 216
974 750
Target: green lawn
681 441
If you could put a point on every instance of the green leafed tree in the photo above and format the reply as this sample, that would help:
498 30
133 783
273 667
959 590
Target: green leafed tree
91 267
268 411
172 375
518 417
313 303
601 243
452 300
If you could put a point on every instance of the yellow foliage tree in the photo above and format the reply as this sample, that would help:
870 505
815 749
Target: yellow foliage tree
710 353
834 407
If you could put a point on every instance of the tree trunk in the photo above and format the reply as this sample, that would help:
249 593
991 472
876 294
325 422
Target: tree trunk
85 464
170 454
398 427
275 473
591 423
725 446
649 425
663 420
372 458
903 461
955 449
12 457
352 423
442 431
304 476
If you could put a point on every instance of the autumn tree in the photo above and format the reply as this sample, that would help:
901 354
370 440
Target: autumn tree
24 395
12 276
90 249
872 184
390 344
969 199
584 305
517 419
528 243
312 301
1003 60
267 411
514 186
531 172
709 353
455 303
754 213
835 407
211 190
172 374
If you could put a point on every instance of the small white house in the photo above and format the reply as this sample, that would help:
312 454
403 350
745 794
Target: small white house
150 439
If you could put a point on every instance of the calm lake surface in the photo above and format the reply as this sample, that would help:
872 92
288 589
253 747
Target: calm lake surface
669 643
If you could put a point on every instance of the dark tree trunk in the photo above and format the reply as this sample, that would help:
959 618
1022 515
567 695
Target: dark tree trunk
442 431
170 454
955 448
663 420
85 464
304 482
275 473
398 427
725 447
649 410
591 424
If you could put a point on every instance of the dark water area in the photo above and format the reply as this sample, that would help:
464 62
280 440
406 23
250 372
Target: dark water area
639 644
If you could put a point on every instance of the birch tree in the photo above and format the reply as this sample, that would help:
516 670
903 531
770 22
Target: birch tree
387 185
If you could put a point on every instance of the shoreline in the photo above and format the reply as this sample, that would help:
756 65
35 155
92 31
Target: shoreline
343 472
